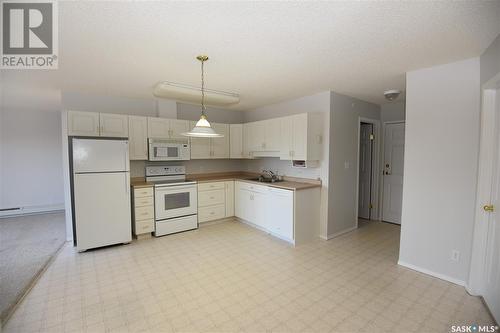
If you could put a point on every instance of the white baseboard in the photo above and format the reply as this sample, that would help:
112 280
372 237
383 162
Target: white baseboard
28 210
431 273
340 233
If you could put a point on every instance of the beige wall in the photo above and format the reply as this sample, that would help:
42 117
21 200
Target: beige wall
344 125
441 154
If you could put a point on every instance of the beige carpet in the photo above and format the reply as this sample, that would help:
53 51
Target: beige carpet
27 243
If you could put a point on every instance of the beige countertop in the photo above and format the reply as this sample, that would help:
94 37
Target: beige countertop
139 182
289 183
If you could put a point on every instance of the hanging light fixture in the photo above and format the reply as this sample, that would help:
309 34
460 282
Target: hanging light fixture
202 129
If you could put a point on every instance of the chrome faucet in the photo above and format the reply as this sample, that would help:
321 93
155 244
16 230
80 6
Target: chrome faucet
272 175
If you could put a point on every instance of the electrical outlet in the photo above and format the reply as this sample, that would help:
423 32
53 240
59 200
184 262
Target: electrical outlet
455 255
347 165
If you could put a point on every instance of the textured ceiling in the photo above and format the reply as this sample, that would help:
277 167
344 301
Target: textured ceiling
265 51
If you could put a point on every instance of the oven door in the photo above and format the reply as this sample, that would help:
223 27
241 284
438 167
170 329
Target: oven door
175 201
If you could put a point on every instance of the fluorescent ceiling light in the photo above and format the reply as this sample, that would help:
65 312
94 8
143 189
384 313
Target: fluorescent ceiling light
186 93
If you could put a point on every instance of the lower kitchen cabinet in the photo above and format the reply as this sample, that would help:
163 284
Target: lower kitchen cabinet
290 215
215 200
143 214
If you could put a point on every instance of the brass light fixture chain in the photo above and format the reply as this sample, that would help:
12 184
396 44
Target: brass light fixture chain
202 88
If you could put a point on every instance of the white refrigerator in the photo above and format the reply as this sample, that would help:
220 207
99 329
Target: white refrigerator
101 192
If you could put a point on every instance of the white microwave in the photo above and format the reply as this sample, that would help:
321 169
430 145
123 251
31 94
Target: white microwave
169 150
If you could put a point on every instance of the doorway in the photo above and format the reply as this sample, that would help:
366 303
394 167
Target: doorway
368 170
484 278
365 186
393 166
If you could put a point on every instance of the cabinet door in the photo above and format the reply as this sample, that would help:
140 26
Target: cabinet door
286 138
280 212
200 147
83 123
138 137
229 198
241 201
247 134
177 127
273 134
236 141
299 134
158 128
258 139
113 125
259 215
220 146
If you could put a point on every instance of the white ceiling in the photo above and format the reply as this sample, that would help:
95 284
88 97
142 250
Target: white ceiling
265 51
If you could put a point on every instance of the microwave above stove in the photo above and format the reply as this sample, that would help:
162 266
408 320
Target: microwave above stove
169 150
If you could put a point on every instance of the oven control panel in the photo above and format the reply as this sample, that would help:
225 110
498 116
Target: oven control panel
165 170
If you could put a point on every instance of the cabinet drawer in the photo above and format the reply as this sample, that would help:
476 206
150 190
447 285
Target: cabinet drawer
143 192
210 186
251 187
211 213
210 198
144 213
143 201
142 227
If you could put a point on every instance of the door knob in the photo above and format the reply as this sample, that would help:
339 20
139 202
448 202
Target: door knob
489 208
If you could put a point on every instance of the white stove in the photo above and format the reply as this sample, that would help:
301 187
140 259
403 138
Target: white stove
176 199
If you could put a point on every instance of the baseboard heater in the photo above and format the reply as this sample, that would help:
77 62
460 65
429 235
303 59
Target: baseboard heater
13 211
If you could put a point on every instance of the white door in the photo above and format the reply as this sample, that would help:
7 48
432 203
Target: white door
177 127
286 138
83 123
299 137
229 198
220 146
247 140
365 170
100 155
394 147
492 283
236 141
138 137
243 203
273 134
280 212
258 140
102 209
113 125
158 128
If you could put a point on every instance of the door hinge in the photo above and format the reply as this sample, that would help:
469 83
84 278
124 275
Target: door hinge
371 206
372 137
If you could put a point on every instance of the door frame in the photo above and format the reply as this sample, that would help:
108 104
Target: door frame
375 213
477 273
382 153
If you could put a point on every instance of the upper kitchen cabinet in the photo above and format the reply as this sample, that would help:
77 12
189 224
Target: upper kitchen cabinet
209 148
113 125
138 137
236 141
177 127
220 146
83 123
301 137
265 138
158 128
163 128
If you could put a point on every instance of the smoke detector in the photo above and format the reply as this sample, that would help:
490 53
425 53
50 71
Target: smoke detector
392 94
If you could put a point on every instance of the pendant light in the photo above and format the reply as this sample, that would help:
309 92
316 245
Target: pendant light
202 129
